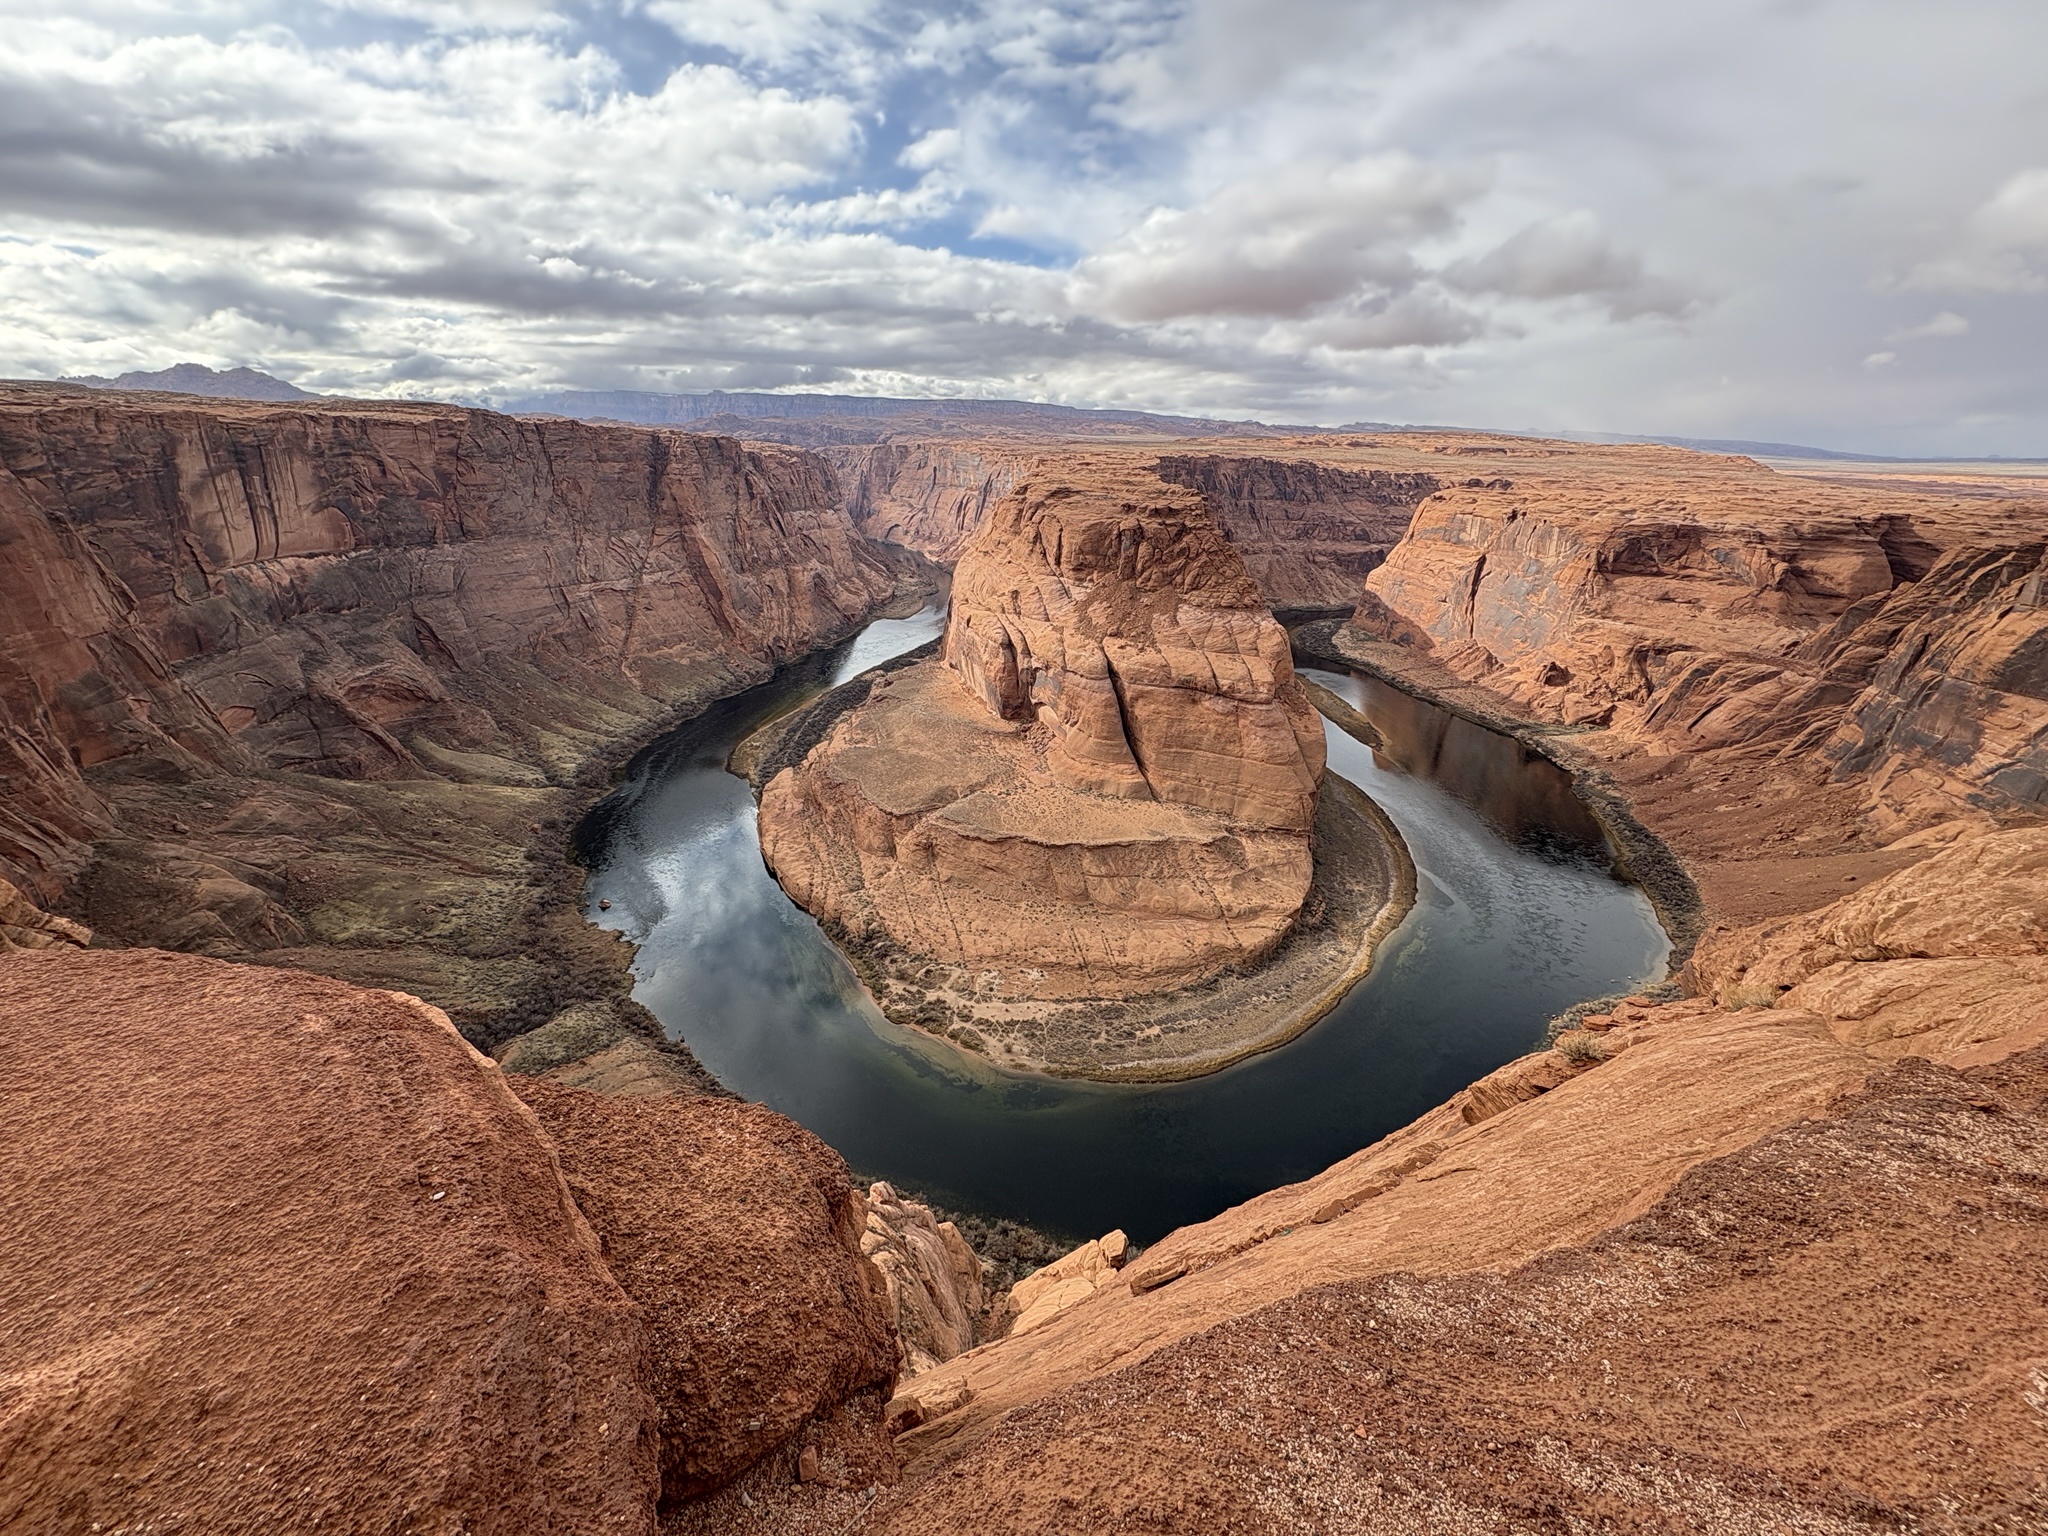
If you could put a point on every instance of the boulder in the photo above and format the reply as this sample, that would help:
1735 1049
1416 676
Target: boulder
285 1254
739 1235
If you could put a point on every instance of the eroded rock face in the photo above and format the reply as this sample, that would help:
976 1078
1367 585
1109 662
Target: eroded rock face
739 1235
928 496
1937 958
1690 604
933 1277
1121 621
1105 788
24 925
377 592
284 1254
1309 533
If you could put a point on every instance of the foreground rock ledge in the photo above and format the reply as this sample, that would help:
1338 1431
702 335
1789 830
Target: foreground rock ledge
1102 794
283 1254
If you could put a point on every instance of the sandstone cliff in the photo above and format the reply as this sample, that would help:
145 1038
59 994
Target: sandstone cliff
1309 532
305 680
927 496
1689 604
1106 786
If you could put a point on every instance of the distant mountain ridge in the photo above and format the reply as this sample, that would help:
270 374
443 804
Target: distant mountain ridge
198 379
818 420
649 408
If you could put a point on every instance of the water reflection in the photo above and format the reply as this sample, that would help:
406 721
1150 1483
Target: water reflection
1507 930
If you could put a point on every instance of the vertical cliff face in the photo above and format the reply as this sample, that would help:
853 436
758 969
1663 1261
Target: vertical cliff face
1310 533
378 592
1126 626
1698 605
926 496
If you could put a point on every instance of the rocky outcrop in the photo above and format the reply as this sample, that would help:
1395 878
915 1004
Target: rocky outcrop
1067 1281
1765 1344
282 1254
1938 958
1689 604
1116 618
739 1236
934 1279
1106 786
1309 532
304 681
24 925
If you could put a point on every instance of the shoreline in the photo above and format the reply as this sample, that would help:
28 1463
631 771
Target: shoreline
1305 976
1641 856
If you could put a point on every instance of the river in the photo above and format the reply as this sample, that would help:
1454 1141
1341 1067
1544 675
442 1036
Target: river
1518 915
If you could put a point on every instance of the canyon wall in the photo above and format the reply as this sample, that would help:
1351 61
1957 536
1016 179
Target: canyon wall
1689 605
304 681
926 496
1310 532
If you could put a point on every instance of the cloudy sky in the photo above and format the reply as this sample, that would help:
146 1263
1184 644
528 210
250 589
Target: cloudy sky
1814 220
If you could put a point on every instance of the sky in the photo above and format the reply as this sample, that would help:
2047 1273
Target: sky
1820 221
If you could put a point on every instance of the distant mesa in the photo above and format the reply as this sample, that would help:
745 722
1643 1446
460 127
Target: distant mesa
814 420
197 379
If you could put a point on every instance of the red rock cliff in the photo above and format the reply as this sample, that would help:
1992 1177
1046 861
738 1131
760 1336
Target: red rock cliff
377 591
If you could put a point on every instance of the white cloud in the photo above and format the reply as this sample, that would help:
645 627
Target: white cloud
1305 209
2004 245
1934 328
1880 360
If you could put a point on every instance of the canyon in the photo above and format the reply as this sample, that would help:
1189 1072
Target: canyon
311 1050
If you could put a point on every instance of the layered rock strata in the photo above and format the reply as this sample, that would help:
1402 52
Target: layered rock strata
305 681
1105 786
1309 532
1686 604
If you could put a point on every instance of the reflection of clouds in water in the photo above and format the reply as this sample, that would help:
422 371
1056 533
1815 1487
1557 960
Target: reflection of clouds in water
886 638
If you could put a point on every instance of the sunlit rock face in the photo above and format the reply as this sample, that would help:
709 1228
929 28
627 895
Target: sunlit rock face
1104 784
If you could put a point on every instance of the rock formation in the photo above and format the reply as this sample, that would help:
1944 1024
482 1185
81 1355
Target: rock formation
1690 604
739 1235
280 1254
1104 788
304 681
24 925
1310 532
934 1279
